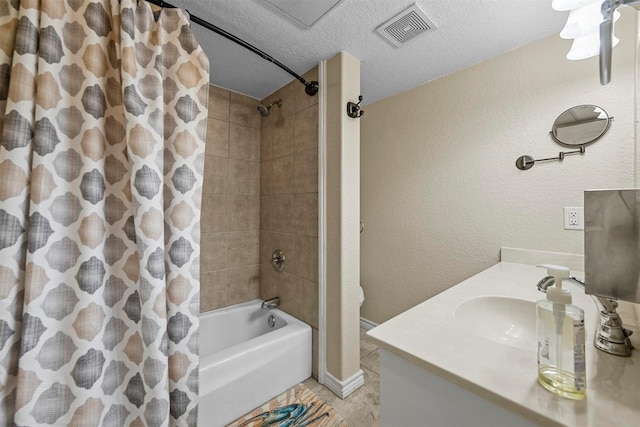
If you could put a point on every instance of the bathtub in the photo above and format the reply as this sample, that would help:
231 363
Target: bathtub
245 362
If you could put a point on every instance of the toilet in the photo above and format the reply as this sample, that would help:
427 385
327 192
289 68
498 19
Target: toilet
361 296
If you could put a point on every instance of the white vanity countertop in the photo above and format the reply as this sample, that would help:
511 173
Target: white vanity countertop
429 336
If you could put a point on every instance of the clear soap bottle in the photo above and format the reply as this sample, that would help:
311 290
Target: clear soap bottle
561 340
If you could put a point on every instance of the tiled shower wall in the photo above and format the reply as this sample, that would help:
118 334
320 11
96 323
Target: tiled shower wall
230 219
289 202
260 194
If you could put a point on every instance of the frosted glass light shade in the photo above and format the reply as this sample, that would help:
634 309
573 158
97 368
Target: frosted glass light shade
587 46
584 20
564 5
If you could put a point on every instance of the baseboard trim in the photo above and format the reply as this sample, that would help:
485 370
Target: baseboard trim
366 324
342 389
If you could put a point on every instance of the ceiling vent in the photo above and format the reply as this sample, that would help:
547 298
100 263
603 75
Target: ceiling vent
406 26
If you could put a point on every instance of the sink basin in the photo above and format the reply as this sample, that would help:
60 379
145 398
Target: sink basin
505 320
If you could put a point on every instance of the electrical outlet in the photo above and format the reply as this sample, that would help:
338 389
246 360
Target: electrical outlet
573 218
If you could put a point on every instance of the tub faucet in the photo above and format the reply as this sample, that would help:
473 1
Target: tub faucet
271 303
611 337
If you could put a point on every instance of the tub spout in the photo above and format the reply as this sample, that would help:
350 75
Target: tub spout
271 303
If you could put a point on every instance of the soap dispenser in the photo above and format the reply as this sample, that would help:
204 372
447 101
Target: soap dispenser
561 338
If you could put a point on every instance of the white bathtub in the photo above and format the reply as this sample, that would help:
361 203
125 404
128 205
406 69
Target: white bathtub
244 362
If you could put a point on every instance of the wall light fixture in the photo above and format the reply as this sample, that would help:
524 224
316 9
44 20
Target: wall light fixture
590 25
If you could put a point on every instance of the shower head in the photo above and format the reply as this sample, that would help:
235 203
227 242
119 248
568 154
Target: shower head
264 111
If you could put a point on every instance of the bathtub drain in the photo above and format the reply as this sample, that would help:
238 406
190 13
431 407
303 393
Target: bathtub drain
272 321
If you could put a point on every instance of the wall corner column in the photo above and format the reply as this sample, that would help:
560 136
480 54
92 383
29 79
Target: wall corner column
343 373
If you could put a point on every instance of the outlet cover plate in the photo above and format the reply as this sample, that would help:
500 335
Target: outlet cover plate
574 218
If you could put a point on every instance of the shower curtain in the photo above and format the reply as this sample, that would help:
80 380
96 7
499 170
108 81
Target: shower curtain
103 108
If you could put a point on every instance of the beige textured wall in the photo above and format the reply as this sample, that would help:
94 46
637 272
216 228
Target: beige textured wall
343 214
289 202
230 219
440 191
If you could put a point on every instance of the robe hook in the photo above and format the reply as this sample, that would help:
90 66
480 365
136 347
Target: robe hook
353 110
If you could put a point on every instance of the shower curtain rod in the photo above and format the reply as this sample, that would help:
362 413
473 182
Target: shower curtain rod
311 88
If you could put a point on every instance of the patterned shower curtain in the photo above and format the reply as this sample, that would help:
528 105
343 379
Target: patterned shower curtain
103 107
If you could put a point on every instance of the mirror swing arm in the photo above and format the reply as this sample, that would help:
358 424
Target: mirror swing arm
526 162
576 127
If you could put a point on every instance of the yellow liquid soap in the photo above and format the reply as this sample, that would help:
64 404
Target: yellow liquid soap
561 341
563 384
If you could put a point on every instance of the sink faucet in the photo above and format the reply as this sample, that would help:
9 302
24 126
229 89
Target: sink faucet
611 337
271 303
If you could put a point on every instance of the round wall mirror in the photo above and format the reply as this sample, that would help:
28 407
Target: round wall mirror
580 125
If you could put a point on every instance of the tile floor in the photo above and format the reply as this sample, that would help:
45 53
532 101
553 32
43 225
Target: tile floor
362 408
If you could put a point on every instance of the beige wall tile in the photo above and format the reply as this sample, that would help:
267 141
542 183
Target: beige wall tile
244 177
249 208
230 218
243 248
281 285
302 100
305 293
305 178
218 103
266 143
306 129
278 115
216 175
286 94
267 282
213 252
306 256
305 214
244 143
243 110
213 290
265 121
274 284
243 284
282 175
217 138
244 212
283 141
265 213
214 217
266 178
282 213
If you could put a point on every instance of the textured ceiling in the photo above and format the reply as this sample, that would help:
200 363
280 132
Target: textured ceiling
468 32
